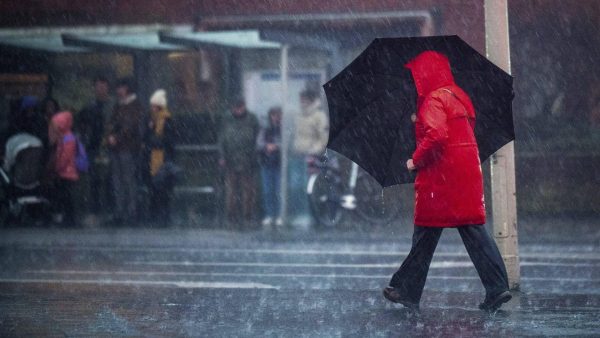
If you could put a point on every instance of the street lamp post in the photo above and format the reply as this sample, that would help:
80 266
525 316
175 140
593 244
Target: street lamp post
504 203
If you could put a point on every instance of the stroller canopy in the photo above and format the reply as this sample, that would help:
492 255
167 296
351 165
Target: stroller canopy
16 144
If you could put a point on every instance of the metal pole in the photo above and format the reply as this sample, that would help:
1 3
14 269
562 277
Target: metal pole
285 133
504 203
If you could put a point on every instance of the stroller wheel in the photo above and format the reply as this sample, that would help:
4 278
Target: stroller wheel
33 214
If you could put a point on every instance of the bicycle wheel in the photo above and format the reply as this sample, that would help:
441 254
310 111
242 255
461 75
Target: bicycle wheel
374 205
324 191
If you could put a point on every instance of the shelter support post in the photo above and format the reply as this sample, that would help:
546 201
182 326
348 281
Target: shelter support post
226 79
141 64
286 132
503 162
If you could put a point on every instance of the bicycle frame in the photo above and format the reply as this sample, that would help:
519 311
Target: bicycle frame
353 177
348 200
342 194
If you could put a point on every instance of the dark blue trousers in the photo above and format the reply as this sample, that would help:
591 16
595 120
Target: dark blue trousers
271 182
410 279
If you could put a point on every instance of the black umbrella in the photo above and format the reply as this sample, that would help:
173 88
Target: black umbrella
371 102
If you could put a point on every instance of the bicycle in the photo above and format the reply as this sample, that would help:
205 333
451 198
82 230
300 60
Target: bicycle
330 196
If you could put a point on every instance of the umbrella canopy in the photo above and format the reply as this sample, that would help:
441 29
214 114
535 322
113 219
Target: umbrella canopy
371 102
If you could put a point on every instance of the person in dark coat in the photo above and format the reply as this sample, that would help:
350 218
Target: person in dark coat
448 187
159 141
125 142
91 124
268 145
237 144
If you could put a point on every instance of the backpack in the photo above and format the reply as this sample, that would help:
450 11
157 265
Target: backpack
82 162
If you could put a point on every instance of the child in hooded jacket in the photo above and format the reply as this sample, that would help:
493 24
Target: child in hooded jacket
62 166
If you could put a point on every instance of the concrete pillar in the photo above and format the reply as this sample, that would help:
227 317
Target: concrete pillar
504 203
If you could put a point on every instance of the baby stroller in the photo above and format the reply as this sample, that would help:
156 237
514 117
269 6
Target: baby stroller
22 200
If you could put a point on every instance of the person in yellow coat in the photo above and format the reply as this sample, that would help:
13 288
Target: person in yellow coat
159 142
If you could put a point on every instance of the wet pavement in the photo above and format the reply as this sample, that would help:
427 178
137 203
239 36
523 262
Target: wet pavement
212 283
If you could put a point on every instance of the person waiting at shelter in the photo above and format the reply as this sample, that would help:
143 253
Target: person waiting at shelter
124 141
268 145
159 142
237 145
309 143
63 170
91 124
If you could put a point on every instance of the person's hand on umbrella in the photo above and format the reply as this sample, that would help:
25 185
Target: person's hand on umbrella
410 165
369 96
271 147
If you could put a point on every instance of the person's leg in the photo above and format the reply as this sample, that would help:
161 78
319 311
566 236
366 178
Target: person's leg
159 206
487 259
69 210
109 192
248 194
267 197
409 280
298 199
128 167
276 176
166 204
57 194
94 193
295 189
230 195
304 200
153 202
273 192
118 185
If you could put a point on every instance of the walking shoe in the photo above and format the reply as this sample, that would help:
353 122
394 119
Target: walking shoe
394 296
494 303
267 221
278 222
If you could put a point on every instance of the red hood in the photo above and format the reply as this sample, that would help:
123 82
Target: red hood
63 122
430 71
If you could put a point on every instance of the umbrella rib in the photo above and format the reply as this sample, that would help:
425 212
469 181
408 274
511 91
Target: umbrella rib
372 92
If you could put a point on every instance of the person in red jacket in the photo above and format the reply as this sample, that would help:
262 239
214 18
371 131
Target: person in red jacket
63 167
448 186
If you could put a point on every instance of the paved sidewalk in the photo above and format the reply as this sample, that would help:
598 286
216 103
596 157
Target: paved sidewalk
210 283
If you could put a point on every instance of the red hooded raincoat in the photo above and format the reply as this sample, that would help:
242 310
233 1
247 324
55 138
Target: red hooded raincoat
449 183
66 148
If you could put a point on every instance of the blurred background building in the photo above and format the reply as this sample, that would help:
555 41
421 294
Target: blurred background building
55 48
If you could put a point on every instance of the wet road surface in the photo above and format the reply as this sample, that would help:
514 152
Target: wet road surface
202 282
